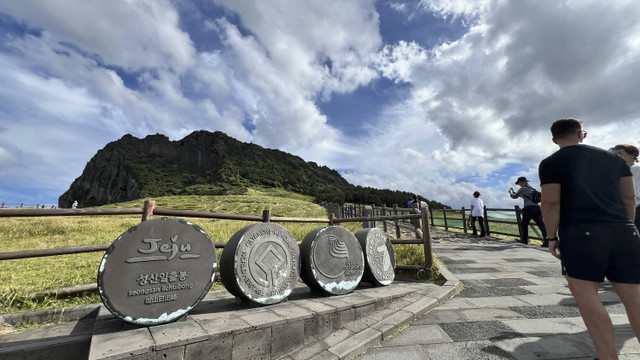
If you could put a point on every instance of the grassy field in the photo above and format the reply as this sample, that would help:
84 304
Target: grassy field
19 278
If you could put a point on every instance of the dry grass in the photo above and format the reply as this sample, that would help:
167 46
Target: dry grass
19 278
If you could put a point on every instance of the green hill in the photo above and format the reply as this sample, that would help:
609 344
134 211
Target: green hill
205 163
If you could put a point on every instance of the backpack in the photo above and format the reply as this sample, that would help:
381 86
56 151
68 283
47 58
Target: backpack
536 196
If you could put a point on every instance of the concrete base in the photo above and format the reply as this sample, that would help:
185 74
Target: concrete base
221 327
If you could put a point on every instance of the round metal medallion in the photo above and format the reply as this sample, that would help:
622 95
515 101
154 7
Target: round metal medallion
332 260
380 260
260 263
157 271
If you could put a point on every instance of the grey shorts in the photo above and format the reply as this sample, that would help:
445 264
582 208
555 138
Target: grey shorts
593 252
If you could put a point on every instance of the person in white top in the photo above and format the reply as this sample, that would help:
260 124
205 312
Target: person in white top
477 213
75 205
630 154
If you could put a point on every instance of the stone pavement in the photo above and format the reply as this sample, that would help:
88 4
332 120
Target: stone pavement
307 325
515 304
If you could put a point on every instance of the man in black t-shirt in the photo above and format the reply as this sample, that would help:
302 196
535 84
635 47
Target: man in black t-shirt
589 200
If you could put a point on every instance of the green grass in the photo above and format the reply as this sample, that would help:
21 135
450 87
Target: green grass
19 278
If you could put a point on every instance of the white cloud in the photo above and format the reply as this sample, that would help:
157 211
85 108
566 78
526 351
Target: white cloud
492 94
468 111
133 34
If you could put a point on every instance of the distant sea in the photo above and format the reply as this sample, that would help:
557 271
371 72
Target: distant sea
502 214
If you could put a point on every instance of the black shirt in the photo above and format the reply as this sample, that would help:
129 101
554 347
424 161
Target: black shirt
589 178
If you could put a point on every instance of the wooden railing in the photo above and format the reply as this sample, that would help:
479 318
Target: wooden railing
354 214
457 219
24 205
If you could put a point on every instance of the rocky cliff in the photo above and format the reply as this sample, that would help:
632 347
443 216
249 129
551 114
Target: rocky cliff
202 163
205 163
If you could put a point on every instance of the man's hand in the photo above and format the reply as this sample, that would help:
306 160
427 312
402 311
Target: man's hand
554 248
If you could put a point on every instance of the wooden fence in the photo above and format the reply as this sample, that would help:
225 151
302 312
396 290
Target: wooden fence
457 219
24 205
355 213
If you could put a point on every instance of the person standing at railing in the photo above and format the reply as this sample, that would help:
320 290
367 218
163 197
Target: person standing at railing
589 199
75 204
477 213
530 210
630 154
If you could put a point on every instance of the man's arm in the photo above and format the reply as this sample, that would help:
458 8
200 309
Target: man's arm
550 206
628 195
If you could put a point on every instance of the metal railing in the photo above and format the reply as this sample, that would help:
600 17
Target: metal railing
457 219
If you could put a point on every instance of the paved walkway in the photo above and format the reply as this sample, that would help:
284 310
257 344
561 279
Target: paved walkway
515 305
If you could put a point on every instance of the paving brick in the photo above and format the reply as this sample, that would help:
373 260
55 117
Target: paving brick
326 355
216 327
356 344
286 338
482 330
182 332
252 344
176 353
112 340
472 350
265 318
320 325
215 349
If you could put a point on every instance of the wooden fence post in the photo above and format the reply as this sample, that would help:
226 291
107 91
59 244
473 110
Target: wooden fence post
519 221
373 213
266 215
426 238
464 221
332 217
444 215
147 210
395 212
384 213
486 222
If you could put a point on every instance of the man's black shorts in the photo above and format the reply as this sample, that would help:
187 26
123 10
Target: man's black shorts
591 252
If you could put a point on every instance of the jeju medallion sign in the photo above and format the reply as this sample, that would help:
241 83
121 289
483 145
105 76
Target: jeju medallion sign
157 271
380 260
332 260
261 263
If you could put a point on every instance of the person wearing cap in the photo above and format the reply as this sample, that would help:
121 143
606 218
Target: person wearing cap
530 210
588 198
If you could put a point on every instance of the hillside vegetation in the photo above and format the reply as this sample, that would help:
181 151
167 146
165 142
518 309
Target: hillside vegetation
19 278
205 163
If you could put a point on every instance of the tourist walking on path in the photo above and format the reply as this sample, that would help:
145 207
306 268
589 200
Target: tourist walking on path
530 209
588 198
630 154
477 213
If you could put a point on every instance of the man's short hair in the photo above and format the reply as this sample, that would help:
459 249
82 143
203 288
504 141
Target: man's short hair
565 127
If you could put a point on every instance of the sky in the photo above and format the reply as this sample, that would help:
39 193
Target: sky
440 98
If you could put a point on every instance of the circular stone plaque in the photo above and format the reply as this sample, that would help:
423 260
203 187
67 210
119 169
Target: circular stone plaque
157 271
332 260
260 263
380 260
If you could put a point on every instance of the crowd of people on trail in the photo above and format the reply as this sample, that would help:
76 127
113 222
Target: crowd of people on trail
588 211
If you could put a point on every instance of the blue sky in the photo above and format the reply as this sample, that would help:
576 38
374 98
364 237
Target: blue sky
440 98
